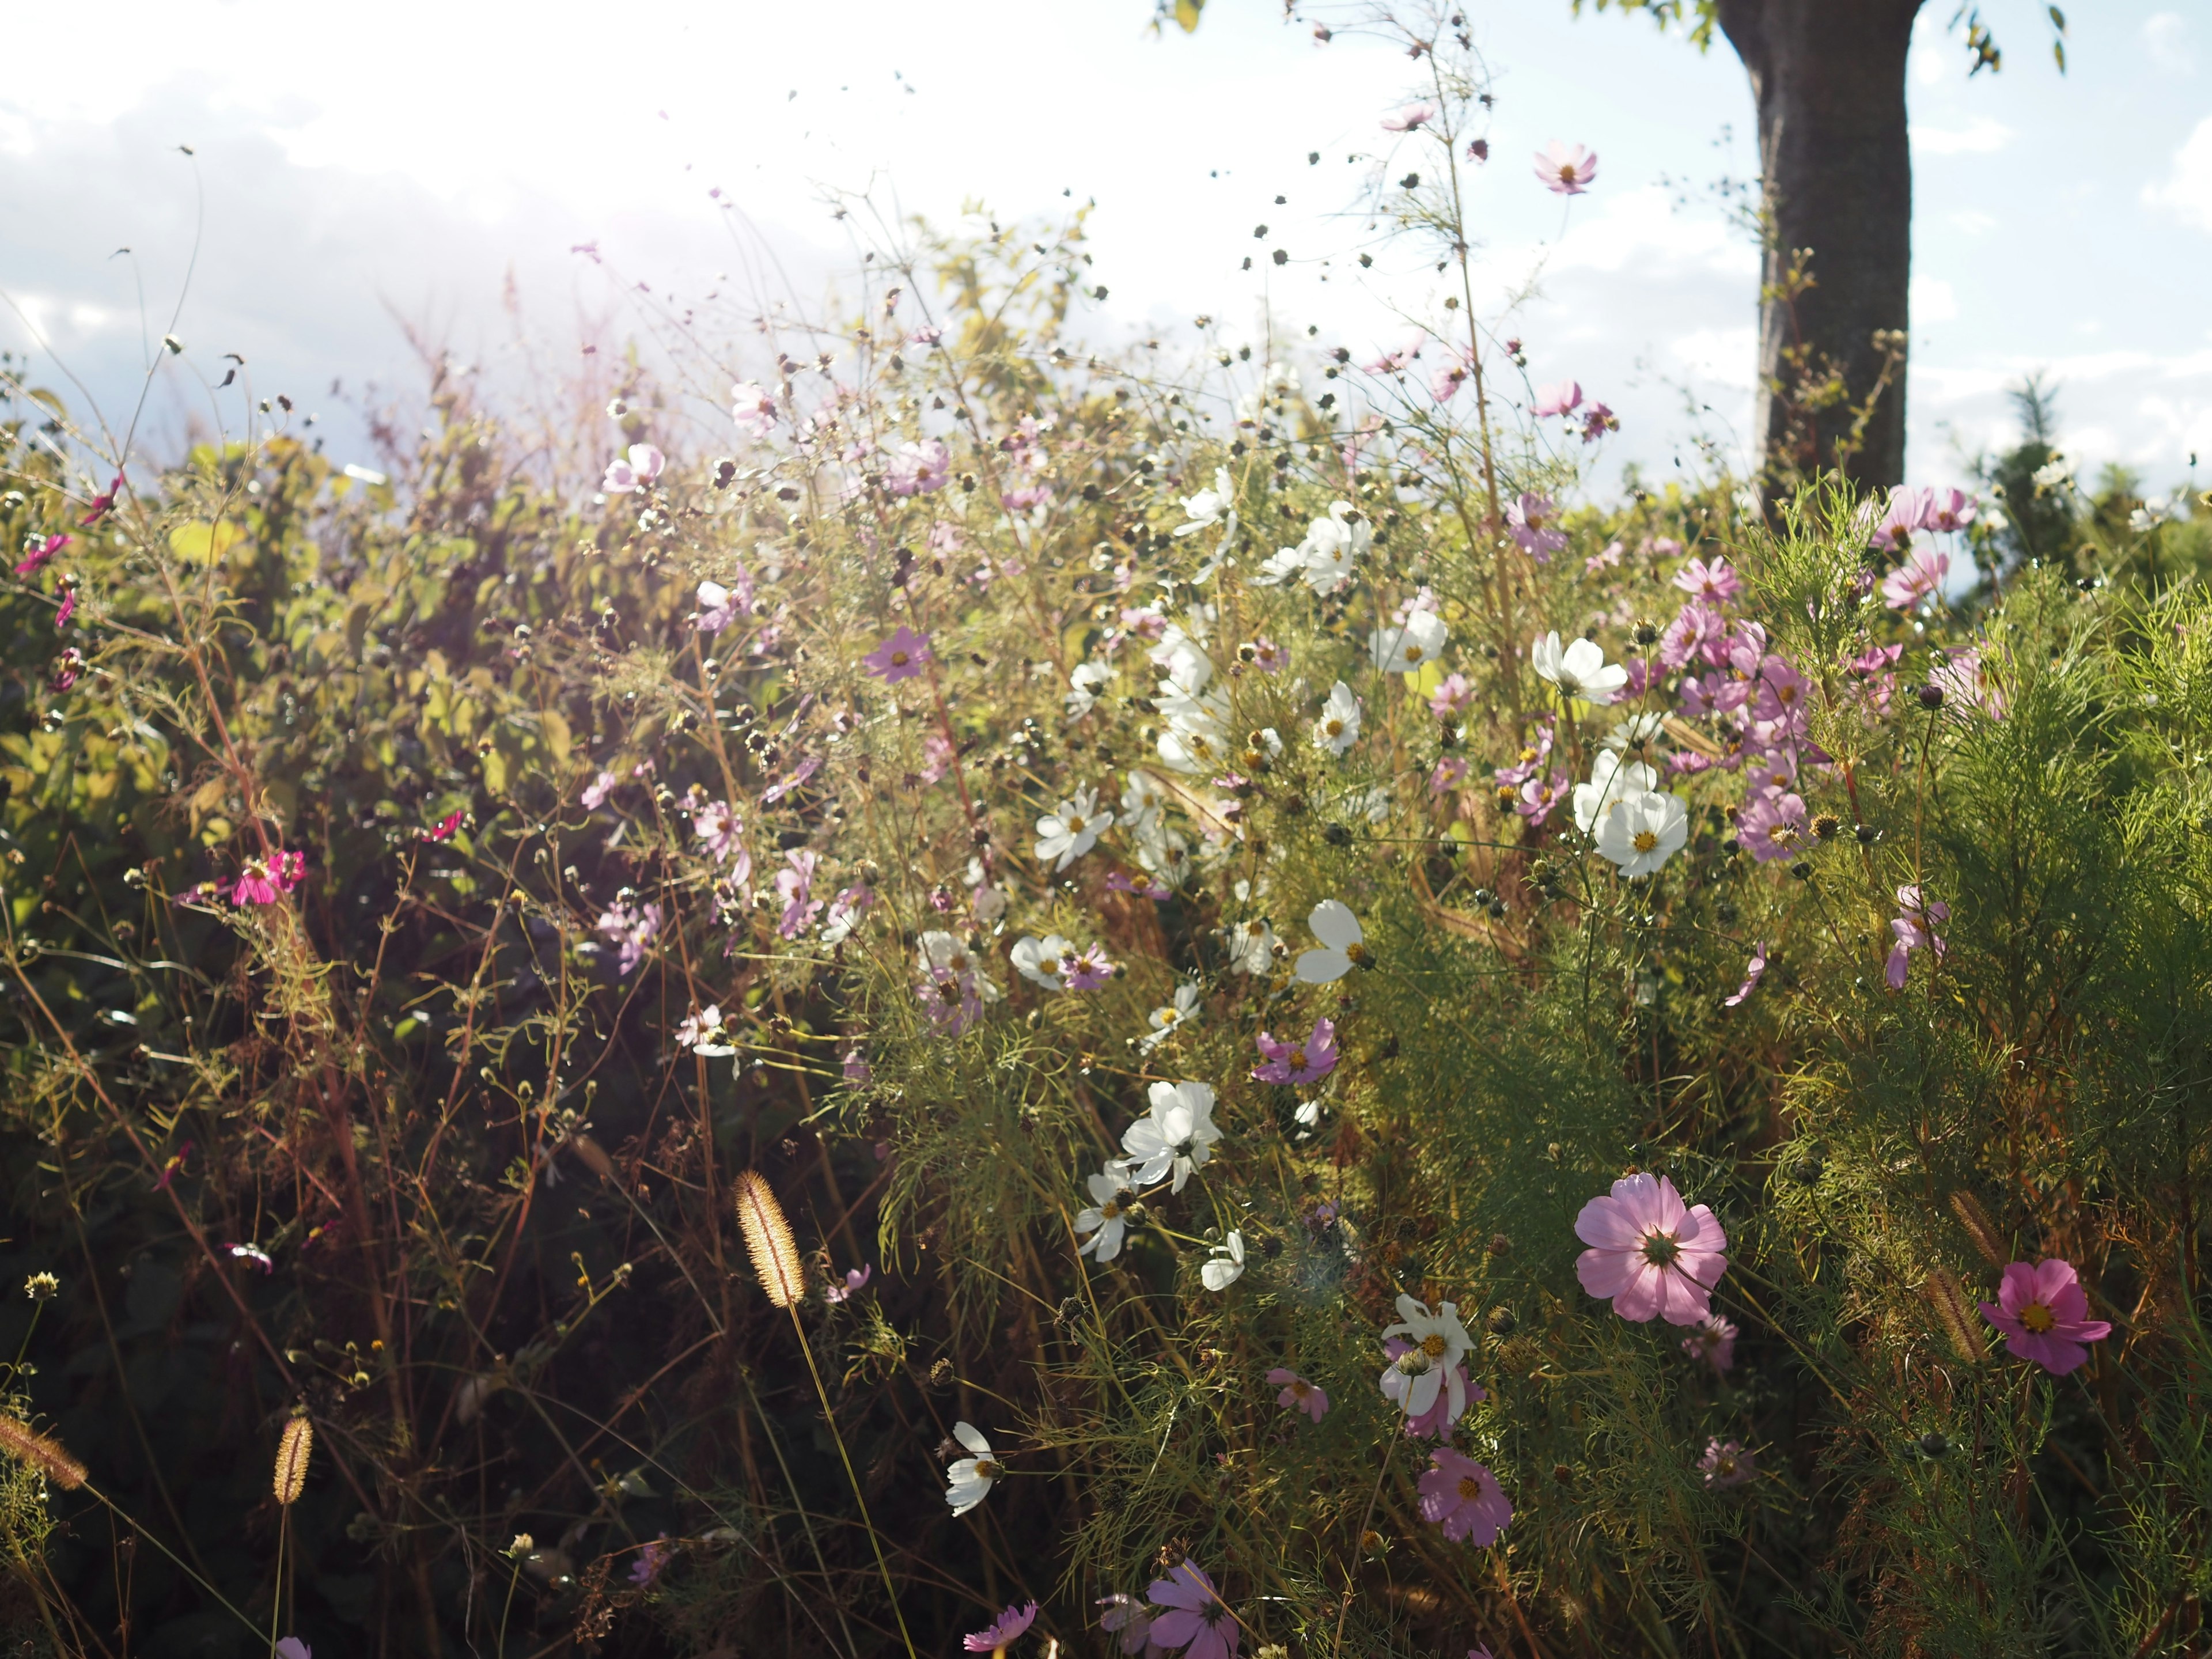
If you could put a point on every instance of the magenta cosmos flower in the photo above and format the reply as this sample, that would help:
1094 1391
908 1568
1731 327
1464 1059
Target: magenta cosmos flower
1463 1497
1197 1620
2040 1310
1010 1623
1298 1395
1566 171
1716 583
898 658
1309 1062
1649 1254
36 556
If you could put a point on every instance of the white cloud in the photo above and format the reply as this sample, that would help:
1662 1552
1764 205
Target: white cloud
1972 221
2166 35
1983 136
1640 231
1727 355
1933 301
2187 194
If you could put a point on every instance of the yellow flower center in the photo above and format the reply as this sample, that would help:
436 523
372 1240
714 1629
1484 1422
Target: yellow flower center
1645 841
1110 1208
1073 823
1567 174
1470 1489
1357 952
1433 1346
1334 728
1300 1386
1413 653
898 658
988 1470
2037 1318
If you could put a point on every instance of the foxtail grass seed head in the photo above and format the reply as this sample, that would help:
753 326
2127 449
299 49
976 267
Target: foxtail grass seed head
1955 1314
292 1453
1979 1227
42 1452
769 1241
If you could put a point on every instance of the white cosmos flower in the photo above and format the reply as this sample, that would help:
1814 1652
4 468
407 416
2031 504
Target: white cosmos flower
1613 777
1279 566
1168 1019
940 952
1108 1217
968 1481
1085 683
1343 943
1228 1264
1072 829
1439 1343
1189 668
1331 546
1177 1133
1038 960
1210 506
1404 649
1643 831
1251 946
1338 728
1579 670
1636 728
1309 1113
702 1034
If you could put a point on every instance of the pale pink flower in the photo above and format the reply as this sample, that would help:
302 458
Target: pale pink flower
898 658
1914 928
636 471
1450 772
1197 1620
1463 1497
1713 1341
796 886
1921 574
1308 1062
1087 970
596 792
1754 971
1540 798
2043 1312
1559 398
752 409
1129 1620
1726 1463
1451 697
1411 117
1949 510
1903 514
717 825
1298 1395
1649 1254
1566 171
1774 827
920 469
1716 583
1529 520
1001 1634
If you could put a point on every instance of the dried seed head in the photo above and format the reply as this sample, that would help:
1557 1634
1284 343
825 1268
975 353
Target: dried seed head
292 1453
1976 1220
1952 1311
768 1242
42 1452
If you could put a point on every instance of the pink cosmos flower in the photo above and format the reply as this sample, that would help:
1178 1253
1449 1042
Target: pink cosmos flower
1921 574
1197 1620
68 608
1451 696
35 559
264 881
1445 382
1122 882
635 471
1649 1254
1540 799
1566 171
292 1648
1696 626
1268 657
1914 926
1309 1062
1963 675
69 668
752 409
102 505
1754 971
1608 556
1087 970
596 792
898 658
1411 117
921 469
1949 510
937 756
716 824
1901 517
926 335
1782 690
445 829
1726 1463
1712 1340
1130 1620
854 1278
652 1559
1530 520
1011 1624
630 930
1022 500
2042 1312
1298 1395
1450 772
1463 1497
1597 420
1559 398
1716 583
857 1073
1775 770
796 886
1773 826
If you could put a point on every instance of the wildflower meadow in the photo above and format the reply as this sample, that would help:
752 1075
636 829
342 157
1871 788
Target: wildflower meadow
887 984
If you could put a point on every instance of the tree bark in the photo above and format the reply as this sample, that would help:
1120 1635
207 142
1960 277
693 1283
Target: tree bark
1828 76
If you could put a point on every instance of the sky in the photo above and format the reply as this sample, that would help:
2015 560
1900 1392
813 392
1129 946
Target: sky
354 181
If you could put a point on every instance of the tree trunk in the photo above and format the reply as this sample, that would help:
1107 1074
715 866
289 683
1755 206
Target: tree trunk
1828 76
